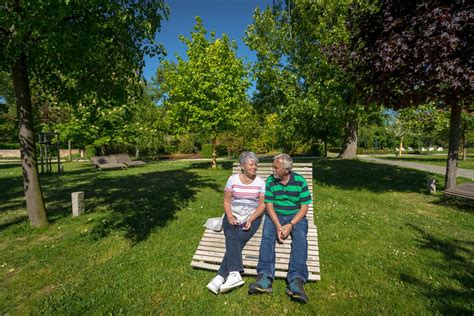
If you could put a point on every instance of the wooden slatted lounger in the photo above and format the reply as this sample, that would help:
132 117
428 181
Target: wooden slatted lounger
107 162
464 191
211 249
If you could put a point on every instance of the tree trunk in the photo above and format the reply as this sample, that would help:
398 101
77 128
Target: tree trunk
214 153
70 149
463 142
400 151
349 149
31 181
454 131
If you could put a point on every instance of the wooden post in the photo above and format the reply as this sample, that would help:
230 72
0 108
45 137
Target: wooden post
77 203
431 186
70 150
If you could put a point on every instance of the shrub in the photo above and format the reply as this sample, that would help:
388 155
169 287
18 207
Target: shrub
186 145
9 146
363 151
206 150
221 151
90 151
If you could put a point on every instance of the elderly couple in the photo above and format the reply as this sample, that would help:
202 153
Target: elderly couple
286 197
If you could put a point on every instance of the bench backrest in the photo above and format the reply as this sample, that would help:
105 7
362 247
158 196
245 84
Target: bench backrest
102 160
122 158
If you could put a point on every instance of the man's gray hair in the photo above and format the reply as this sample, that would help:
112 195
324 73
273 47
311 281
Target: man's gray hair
247 156
285 160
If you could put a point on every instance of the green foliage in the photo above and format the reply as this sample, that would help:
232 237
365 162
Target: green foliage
91 151
100 48
296 81
206 93
206 150
9 146
186 144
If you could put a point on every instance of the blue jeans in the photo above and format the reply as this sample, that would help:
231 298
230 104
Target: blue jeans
235 240
297 267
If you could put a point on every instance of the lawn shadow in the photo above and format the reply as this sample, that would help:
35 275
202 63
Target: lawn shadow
135 204
459 204
355 174
11 187
446 299
13 221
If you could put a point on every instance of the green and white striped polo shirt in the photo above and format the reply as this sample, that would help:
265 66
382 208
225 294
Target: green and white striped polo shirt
288 198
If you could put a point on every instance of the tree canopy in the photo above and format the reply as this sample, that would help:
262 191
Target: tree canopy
207 92
410 53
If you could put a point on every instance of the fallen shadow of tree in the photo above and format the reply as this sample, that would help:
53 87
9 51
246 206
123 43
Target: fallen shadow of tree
359 175
134 204
458 267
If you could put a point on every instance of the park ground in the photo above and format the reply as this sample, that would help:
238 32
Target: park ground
386 247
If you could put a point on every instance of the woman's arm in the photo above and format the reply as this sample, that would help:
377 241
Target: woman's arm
258 212
227 208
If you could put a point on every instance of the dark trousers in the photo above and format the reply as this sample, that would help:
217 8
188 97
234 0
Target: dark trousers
235 240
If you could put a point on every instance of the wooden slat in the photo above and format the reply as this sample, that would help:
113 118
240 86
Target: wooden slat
251 271
464 190
211 248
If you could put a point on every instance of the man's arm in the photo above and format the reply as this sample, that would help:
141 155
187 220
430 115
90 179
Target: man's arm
271 213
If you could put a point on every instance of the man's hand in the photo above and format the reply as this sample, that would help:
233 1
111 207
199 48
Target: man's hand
279 234
285 231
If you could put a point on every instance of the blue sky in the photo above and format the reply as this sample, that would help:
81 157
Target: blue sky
222 16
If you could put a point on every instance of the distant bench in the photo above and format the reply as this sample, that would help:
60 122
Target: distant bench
120 161
211 249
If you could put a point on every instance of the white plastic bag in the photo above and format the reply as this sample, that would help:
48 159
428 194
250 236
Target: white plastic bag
214 223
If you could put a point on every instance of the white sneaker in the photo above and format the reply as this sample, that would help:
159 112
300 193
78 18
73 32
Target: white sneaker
215 284
233 280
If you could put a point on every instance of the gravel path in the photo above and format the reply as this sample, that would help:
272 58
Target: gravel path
465 173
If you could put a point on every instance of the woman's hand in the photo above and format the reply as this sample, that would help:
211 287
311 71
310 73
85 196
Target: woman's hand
232 220
247 225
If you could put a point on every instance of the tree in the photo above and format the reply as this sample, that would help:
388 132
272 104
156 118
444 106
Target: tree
404 123
414 52
206 93
69 49
297 77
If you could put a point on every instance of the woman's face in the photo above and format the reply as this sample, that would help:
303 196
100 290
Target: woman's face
250 168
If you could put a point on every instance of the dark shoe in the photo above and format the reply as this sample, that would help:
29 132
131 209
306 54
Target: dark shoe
262 285
296 291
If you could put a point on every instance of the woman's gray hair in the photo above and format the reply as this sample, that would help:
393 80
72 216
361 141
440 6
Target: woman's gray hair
247 156
285 160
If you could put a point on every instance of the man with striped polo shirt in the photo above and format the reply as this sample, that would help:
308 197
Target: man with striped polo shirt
287 198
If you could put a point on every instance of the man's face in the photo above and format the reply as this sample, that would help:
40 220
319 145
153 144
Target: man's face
278 171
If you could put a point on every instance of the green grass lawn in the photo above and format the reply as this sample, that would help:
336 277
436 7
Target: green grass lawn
385 246
437 160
